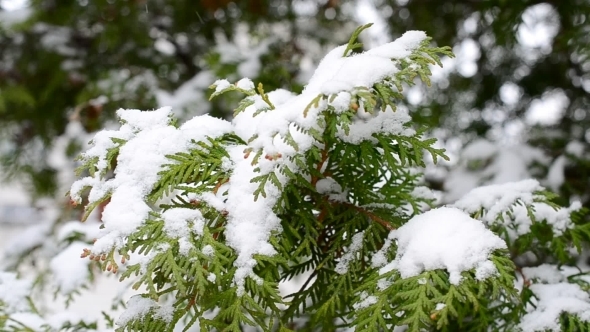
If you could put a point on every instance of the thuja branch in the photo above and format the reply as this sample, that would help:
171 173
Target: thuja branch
371 215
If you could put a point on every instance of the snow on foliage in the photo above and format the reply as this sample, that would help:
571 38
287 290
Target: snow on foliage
357 243
139 306
507 203
496 199
553 296
553 300
70 273
14 292
444 238
150 138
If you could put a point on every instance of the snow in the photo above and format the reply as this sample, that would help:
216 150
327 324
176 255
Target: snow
245 84
365 301
31 237
150 138
552 301
221 85
190 95
401 47
56 39
440 306
366 12
141 121
558 219
379 259
556 176
341 101
208 250
69 271
575 148
57 320
328 186
13 5
444 238
267 131
31 320
496 199
388 121
540 24
14 292
164 46
176 226
15 208
89 230
549 109
480 149
137 308
176 222
468 52
350 255
250 221
545 273
336 73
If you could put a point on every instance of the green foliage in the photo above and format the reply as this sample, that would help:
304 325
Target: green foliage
200 167
541 238
428 301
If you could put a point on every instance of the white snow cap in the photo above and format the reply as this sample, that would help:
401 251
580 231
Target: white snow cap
14 292
552 301
498 198
336 73
69 271
444 238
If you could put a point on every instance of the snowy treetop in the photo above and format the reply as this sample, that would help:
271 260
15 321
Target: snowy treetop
278 125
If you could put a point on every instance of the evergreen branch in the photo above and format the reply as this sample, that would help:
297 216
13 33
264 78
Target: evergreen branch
265 96
352 44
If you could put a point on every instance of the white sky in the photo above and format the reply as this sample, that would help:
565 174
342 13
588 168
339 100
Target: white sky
12 4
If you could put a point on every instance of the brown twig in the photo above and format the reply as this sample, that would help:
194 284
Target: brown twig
525 282
324 153
219 184
371 215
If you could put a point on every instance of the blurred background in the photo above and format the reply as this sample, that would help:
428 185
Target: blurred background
513 104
